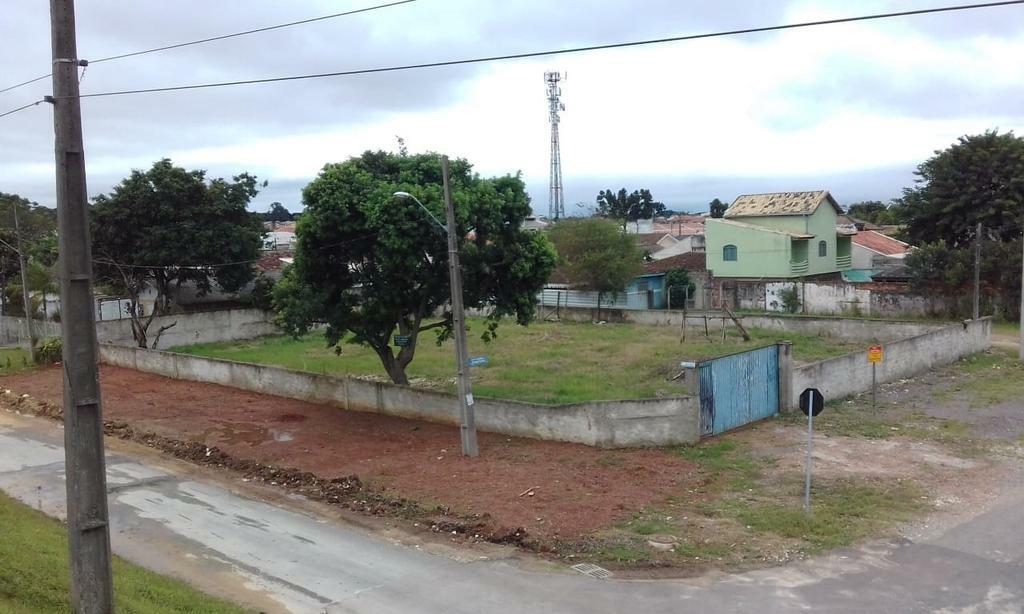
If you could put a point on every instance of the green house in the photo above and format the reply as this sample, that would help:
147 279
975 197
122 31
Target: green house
778 236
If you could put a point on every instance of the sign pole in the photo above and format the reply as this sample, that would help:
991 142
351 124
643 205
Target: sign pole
810 451
873 384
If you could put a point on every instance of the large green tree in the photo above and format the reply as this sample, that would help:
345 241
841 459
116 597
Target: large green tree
978 179
628 207
168 226
596 255
370 265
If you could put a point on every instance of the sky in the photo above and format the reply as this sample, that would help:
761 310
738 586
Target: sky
851 108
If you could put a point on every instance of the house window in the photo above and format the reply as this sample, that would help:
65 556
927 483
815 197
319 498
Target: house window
822 249
729 253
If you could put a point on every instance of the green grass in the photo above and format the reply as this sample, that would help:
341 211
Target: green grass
546 362
1006 328
34 573
726 465
623 554
842 511
13 360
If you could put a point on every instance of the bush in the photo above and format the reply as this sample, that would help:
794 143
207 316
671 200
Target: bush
262 293
790 299
50 350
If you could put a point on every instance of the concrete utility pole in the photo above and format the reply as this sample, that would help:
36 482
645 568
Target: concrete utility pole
88 521
467 417
1021 350
977 272
26 298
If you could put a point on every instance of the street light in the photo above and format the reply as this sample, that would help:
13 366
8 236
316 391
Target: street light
467 419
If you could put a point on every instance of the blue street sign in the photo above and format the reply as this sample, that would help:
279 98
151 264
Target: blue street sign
478 361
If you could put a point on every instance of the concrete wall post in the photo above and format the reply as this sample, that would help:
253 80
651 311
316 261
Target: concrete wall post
786 403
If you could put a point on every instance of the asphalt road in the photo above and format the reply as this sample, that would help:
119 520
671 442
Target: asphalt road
288 560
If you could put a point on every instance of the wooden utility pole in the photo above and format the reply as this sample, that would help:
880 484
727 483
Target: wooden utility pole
976 312
88 529
467 417
1021 346
26 297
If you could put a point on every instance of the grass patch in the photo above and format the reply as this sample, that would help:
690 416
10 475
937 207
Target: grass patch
623 554
34 573
847 418
726 465
545 362
842 512
13 360
1006 328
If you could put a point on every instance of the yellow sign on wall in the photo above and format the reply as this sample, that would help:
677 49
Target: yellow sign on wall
875 354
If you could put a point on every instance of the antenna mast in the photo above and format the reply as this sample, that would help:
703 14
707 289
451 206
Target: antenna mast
556 199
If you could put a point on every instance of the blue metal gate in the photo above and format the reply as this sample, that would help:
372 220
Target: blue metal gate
738 389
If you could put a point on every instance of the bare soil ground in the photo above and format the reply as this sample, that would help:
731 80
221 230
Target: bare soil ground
933 450
576 488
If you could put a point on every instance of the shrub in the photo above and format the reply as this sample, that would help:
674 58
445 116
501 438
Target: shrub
50 350
790 299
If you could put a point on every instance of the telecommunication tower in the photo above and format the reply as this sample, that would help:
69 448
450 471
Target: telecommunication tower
556 199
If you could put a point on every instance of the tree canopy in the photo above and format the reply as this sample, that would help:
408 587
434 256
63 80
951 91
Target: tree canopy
278 213
169 226
978 179
369 264
874 211
628 207
717 208
596 255
38 236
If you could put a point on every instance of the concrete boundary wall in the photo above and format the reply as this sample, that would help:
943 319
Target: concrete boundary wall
853 329
189 328
194 327
650 422
851 374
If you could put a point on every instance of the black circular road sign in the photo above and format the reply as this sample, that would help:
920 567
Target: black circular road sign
809 397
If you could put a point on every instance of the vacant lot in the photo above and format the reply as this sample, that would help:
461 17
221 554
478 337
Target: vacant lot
34 572
546 362
732 502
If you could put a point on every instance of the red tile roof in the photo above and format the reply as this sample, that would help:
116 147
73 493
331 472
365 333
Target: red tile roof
690 261
879 243
271 261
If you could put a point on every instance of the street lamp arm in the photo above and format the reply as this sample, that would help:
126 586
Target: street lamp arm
422 206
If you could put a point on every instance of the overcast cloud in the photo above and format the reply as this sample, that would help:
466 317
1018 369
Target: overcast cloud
851 108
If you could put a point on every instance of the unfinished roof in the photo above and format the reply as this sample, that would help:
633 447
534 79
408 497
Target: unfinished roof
880 244
780 203
791 235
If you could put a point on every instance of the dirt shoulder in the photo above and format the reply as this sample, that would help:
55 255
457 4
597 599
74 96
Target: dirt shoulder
932 451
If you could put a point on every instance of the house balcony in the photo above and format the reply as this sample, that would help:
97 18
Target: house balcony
799 268
844 262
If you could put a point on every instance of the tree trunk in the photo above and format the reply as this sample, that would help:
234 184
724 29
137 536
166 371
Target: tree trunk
394 368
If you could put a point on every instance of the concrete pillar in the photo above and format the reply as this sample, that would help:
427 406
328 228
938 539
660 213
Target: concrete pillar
786 400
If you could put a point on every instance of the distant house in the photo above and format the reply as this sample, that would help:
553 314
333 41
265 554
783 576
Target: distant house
783 235
695 265
873 250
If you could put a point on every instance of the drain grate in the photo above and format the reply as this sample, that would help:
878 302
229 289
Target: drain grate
592 570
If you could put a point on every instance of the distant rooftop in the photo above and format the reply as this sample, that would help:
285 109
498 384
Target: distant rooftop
880 243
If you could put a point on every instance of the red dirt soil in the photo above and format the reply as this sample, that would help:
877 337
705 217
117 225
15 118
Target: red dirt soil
577 489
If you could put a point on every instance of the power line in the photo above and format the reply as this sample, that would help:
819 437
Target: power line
30 81
571 50
253 31
13 111
221 37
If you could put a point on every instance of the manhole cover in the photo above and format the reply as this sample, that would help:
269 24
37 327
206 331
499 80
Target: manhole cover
592 570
